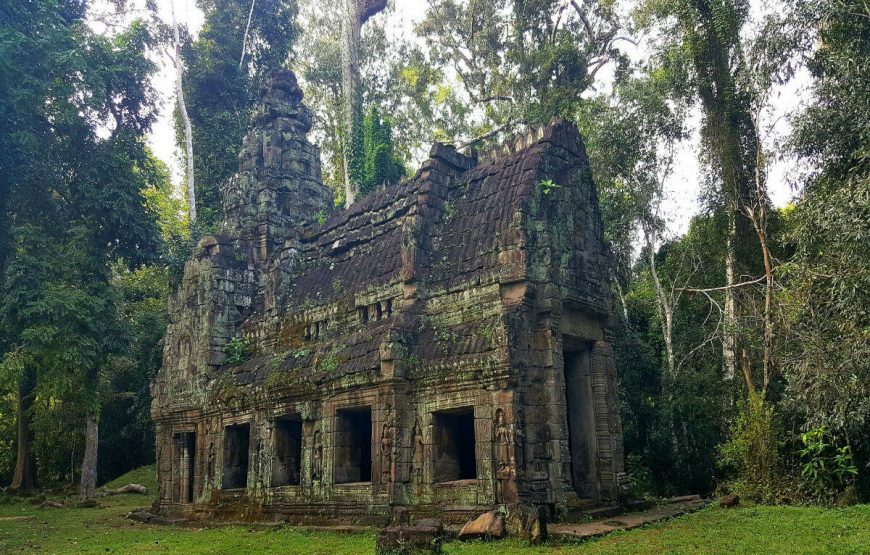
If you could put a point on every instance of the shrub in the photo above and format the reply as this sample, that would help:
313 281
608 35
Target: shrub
753 453
828 472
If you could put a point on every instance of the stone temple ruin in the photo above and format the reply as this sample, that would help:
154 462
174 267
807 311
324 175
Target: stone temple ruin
440 348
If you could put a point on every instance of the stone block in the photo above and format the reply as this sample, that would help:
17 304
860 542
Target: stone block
489 525
408 540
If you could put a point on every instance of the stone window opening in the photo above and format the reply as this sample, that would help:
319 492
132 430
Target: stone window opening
379 311
287 451
389 309
454 445
185 443
353 445
237 444
363 314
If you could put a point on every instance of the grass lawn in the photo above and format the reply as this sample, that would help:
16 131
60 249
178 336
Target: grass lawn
24 528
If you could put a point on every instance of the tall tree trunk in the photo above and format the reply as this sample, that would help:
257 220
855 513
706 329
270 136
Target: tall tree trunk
730 135
89 464
245 36
188 128
729 340
356 13
350 82
24 478
666 311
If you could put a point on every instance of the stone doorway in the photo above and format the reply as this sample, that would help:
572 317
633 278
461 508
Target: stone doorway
454 445
237 444
353 445
287 449
580 416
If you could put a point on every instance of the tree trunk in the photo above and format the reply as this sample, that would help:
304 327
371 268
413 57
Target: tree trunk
666 311
24 479
350 82
729 341
188 128
245 36
356 13
89 463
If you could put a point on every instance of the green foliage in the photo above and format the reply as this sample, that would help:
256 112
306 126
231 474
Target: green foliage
547 186
380 164
826 296
753 452
827 470
238 350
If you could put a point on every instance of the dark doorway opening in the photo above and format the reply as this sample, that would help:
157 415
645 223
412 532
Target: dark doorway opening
186 455
237 442
454 453
353 445
581 418
287 446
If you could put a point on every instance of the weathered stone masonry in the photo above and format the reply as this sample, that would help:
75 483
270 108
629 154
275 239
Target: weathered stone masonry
440 347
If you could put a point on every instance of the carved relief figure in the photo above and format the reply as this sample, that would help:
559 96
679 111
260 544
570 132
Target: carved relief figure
504 461
417 456
388 449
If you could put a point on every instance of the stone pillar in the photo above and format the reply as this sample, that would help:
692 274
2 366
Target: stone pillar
608 424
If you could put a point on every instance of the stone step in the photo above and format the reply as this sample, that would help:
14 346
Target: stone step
603 526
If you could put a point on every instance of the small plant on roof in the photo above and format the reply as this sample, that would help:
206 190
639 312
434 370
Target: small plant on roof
238 350
547 186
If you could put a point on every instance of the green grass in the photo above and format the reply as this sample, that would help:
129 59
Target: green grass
24 528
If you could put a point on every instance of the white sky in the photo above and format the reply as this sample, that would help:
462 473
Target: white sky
682 188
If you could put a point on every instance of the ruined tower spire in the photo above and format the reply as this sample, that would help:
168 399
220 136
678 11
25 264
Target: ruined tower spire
278 187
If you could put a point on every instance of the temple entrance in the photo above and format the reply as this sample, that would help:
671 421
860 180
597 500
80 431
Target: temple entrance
353 445
237 444
580 416
287 448
454 453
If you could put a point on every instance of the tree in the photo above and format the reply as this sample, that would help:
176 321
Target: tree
396 78
825 284
75 200
521 62
356 13
702 47
190 172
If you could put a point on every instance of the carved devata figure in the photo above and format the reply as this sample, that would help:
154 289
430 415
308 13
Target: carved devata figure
388 448
504 460
417 456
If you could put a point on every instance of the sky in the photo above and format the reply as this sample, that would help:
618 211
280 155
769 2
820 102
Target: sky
681 189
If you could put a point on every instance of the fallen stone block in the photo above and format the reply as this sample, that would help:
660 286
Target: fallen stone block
527 522
488 525
50 505
729 501
132 488
86 504
139 516
407 540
